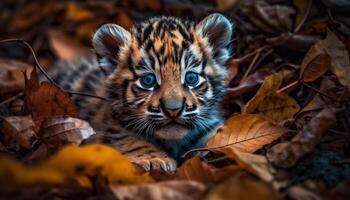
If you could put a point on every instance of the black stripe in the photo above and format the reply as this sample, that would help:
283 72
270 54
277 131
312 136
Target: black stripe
135 149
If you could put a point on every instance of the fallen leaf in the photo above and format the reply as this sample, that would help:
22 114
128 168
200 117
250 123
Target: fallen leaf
77 14
315 63
286 154
303 10
171 190
66 48
20 129
242 186
196 170
274 105
60 130
340 58
255 164
46 100
73 163
270 18
84 31
246 133
11 76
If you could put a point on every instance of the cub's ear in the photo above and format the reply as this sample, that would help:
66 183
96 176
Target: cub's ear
218 30
107 41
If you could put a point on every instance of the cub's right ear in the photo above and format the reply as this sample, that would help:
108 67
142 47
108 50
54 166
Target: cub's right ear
107 41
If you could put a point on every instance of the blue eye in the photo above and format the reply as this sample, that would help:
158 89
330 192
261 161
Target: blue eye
191 79
148 80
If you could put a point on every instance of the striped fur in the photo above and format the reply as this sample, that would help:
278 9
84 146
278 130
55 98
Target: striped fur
140 121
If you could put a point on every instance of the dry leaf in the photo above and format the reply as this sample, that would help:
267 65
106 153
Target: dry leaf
242 186
11 76
60 130
340 58
315 63
246 133
77 14
124 20
293 41
286 154
46 100
270 18
66 48
73 163
268 102
170 190
20 129
303 10
255 164
196 170
86 30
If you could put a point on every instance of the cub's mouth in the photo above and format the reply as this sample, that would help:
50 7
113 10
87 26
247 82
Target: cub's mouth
173 130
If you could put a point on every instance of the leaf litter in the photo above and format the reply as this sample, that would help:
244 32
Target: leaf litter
288 96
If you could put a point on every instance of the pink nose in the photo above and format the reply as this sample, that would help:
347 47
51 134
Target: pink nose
172 112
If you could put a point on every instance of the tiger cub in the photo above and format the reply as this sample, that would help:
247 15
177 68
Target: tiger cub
164 81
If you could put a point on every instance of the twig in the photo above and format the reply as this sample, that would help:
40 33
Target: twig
37 64
320 92
222 146
257 55
34 56
12 98
288 86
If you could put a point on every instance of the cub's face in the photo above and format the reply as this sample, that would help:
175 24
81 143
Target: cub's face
169 74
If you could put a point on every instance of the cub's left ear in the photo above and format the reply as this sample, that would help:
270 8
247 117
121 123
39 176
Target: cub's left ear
107 42
218 30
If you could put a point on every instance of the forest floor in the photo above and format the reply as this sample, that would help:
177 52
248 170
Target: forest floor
287 133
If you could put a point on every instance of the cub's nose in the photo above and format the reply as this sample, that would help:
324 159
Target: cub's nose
172 107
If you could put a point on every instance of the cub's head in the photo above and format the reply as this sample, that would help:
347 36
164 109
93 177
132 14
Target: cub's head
169 74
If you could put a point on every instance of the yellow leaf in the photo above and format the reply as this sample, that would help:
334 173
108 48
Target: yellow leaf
271 104
246 133
73 163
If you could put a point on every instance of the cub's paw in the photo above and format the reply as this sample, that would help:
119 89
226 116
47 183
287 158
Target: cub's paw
164 163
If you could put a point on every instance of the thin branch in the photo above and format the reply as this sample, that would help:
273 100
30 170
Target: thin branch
288 86
257 55
44 73
320 92
222 146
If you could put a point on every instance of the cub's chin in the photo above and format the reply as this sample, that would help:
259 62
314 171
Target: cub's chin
172 131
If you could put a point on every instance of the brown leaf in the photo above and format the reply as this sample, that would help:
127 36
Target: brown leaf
330 87
246 133
340 58
288 153
11 76
274 105
46 100
255 164
20 129
242 186
60 130
124 20
171 190
303 10
196 170
270 18
315 63
86 30
66 48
